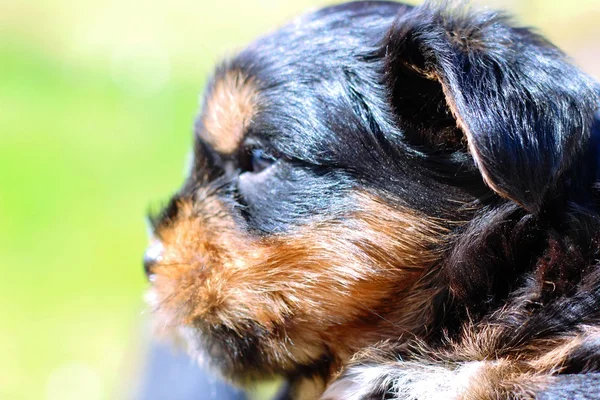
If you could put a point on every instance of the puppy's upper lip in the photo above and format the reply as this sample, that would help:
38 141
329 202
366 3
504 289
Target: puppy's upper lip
152 256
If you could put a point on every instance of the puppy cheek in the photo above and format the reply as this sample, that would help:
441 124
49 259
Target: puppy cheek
327 282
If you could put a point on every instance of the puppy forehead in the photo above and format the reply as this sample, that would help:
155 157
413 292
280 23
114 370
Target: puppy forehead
229 106
280 70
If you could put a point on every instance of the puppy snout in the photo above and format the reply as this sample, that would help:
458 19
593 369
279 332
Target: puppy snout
153 255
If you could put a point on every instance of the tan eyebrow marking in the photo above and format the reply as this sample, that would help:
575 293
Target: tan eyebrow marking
230 107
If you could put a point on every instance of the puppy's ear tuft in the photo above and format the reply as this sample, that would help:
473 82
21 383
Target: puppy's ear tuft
525 111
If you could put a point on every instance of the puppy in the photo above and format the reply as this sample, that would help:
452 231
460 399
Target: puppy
389 201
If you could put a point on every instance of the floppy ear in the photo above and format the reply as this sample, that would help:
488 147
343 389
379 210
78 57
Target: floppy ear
525 111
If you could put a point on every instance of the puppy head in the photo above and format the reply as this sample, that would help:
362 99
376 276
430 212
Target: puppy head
334 158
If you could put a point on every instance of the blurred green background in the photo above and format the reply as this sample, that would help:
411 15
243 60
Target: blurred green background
97 99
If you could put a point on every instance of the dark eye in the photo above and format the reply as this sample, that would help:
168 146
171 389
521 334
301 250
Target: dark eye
256 160
260 161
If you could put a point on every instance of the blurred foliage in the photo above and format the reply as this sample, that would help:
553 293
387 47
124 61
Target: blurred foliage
96 104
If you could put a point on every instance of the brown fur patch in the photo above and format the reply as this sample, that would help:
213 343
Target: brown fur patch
321 290
230 106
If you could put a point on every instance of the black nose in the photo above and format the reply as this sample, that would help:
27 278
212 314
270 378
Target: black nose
152 256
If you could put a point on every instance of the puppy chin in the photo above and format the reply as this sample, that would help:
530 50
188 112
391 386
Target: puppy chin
211 353
229 354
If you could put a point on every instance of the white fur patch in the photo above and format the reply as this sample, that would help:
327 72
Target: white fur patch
405 381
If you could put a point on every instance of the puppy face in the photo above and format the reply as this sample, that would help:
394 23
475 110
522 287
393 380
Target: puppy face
334 160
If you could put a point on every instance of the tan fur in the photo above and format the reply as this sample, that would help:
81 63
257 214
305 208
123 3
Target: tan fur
501 379
498 372
320 288
231 105
515 373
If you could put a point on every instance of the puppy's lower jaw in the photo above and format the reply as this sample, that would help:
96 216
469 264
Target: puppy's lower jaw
245 361
247 351
245 358
254 354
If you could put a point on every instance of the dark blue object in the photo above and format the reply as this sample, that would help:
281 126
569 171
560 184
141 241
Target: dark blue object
173 376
